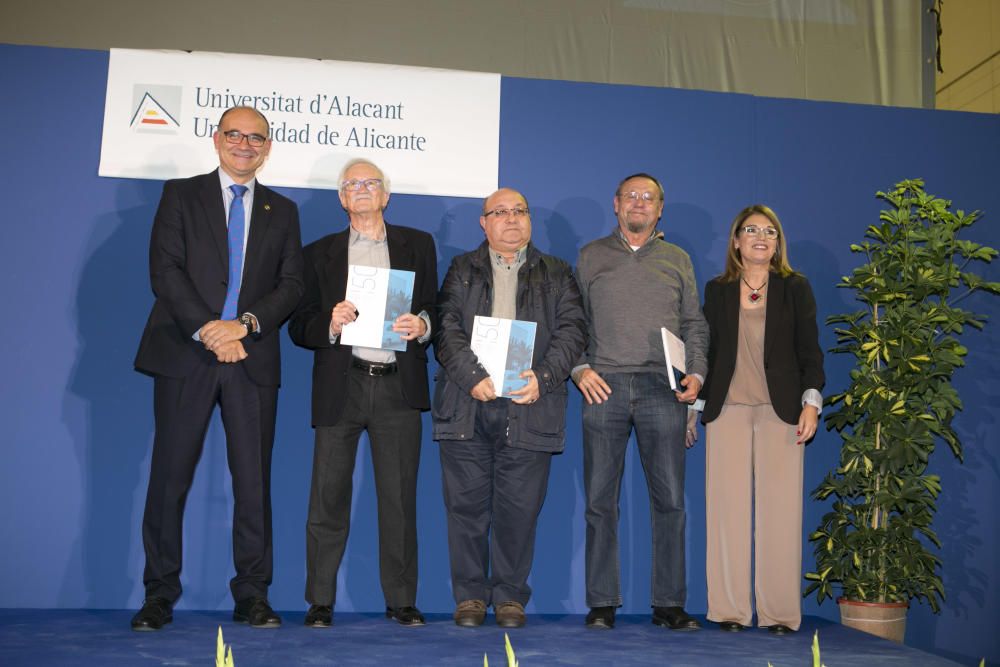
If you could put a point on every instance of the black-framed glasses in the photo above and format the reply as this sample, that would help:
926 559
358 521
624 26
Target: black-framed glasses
355 184
754 230
237 137
507 212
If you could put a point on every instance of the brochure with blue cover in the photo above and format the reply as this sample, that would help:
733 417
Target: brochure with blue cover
505 349
380 295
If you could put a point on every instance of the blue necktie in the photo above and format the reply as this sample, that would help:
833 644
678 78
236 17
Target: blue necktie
237 224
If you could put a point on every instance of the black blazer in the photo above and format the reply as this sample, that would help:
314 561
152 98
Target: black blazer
326 286
793 360
189 272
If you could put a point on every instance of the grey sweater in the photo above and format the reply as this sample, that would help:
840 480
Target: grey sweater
628 295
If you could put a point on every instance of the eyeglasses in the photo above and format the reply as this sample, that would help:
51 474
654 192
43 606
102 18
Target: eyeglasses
754 230
505 212
370 184
636 196
237 137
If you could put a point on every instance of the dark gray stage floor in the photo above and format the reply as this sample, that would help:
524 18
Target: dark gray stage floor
82 638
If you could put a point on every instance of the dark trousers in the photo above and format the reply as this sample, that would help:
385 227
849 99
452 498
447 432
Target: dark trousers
491 485
182 408
375 404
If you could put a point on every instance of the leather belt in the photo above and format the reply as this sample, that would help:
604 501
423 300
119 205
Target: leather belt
372 368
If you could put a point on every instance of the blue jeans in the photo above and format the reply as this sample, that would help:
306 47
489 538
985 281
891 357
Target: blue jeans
642 401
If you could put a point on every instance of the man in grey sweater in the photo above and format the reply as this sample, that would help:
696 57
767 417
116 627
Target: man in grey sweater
632 283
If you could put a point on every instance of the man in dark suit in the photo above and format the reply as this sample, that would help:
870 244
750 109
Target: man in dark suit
225 263
369 389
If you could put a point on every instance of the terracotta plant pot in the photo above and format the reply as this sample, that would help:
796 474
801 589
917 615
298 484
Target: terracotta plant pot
882 619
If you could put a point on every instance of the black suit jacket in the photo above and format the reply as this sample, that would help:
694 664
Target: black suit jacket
189 270
326 262
793 360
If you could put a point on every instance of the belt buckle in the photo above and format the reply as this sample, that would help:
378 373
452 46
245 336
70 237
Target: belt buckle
375 371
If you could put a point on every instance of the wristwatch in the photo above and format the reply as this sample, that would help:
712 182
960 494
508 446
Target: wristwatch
247 320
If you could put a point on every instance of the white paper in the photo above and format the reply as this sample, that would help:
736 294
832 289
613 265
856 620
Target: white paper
673 352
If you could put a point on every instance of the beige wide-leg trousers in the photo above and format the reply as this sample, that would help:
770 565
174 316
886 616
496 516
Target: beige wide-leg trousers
753 489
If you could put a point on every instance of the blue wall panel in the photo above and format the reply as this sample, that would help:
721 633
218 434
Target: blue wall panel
78 421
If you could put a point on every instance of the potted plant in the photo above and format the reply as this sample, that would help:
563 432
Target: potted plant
875 542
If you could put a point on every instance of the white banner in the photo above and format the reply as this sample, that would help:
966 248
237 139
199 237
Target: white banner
432 131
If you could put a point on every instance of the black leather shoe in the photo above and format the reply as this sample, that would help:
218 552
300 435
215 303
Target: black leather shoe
470 613
257 613
409 616
731 626
319 616
779 629
674 618
601 618
155 613
510 614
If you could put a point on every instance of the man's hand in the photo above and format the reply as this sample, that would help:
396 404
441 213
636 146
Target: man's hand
692 386
528 393
484 391
409 326
808 420
691 434
343 313
230 353
592 386
220 332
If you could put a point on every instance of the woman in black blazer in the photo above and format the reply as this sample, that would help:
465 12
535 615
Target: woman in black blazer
762 404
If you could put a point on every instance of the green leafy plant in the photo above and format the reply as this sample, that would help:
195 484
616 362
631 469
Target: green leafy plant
874 542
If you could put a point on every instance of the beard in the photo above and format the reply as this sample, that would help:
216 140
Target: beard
636 227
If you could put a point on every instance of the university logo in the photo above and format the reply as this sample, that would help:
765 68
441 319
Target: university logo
156 109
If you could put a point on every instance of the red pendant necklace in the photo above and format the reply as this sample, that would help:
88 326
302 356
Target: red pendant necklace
755 294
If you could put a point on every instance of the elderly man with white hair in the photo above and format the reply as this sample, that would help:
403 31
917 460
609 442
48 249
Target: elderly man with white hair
359 389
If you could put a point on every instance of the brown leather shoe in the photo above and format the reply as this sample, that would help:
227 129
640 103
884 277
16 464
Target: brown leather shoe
470 613
510 614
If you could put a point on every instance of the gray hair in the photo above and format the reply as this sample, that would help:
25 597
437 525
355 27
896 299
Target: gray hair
386 185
